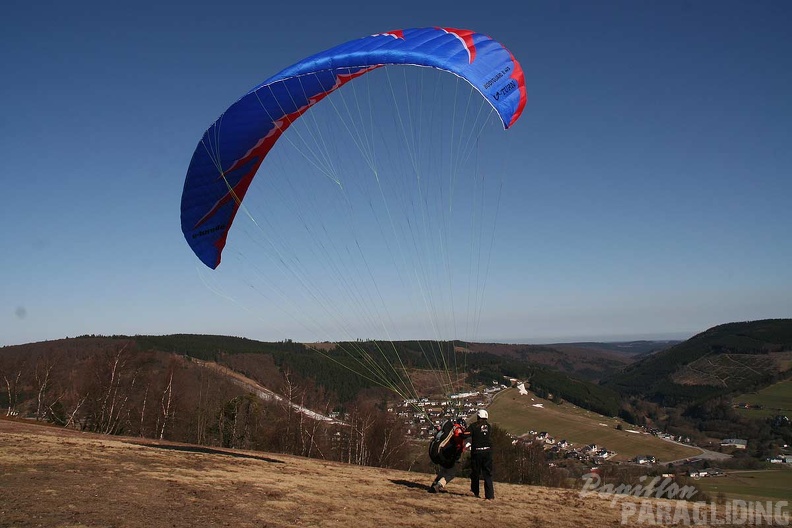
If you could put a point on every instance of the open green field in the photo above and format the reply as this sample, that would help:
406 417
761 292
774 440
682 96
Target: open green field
775 399
519 414
768 484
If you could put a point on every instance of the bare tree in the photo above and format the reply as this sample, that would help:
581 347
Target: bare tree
71 421
289 389
108 392
373 438
202 418
110 401
12 372
360 423
142 427
41 375
165 402
12 387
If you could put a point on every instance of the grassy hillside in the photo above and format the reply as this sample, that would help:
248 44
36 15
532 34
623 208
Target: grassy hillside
726 359
518 414
773 400
57 477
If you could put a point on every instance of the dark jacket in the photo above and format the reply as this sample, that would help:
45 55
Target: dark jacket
480 436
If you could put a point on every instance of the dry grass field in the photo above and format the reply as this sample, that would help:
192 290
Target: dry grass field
61 478
767 484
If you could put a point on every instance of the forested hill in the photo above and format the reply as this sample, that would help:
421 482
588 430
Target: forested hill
334 365
729 358
331 366
591 363
734 357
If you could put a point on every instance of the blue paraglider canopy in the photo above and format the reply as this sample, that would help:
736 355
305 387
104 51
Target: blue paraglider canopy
231 151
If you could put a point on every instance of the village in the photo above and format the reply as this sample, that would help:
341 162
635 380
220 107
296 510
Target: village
421 415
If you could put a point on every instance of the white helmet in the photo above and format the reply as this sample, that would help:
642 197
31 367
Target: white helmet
482 414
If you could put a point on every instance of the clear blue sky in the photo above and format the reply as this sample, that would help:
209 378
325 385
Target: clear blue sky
654 195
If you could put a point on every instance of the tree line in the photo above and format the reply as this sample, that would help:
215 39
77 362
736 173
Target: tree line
111 386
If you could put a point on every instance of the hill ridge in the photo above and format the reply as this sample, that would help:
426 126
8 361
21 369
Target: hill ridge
727 358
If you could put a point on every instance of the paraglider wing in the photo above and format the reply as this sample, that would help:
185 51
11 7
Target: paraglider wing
232 149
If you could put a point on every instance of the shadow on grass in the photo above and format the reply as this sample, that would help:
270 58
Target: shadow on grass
210 451
410 484
425 487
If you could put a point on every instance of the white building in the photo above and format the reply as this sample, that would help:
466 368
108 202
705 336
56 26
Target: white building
734 442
